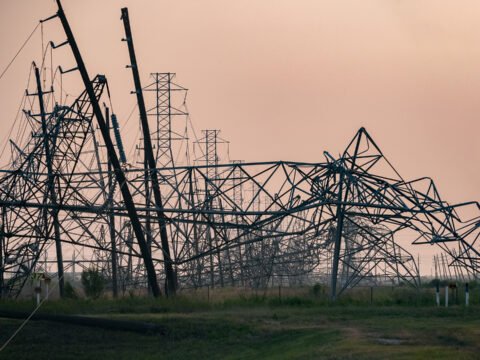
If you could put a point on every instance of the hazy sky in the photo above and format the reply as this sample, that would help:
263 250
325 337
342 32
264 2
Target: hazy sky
289 79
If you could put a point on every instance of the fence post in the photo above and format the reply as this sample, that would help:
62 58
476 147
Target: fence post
38 290
467 295
446 296
437 294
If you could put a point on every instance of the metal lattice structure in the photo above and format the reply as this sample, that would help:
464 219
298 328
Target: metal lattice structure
69 190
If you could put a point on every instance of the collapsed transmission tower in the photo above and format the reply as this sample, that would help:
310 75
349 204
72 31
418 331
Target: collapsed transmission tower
70 192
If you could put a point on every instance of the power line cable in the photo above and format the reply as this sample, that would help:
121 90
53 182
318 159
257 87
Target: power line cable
30 316
18 52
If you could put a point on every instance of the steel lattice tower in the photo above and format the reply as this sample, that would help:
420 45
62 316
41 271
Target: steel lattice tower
160 114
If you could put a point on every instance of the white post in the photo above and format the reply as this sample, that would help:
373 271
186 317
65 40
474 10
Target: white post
467 295
38 290
437 294
446 296
73 267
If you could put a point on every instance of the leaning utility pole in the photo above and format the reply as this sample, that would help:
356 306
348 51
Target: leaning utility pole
112 155
111 216
162 219
50 187
2 260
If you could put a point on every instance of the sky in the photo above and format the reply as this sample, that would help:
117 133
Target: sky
286 80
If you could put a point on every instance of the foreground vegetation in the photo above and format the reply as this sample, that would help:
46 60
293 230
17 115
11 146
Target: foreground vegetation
277 325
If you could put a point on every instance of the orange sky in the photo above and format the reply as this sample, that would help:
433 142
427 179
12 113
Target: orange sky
289 79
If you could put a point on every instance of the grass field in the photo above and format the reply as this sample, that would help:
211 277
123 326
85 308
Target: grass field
249 327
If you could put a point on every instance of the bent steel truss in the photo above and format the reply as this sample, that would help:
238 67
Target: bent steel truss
233 224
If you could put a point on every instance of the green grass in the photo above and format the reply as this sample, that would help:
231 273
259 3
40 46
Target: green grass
249 327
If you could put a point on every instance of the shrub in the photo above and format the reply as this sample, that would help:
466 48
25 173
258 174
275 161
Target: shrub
433 283
69 291
93 283
318 290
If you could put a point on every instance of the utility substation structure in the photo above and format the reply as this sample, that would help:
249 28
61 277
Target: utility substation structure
175 213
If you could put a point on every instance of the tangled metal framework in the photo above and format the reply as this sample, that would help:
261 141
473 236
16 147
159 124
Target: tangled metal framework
235 224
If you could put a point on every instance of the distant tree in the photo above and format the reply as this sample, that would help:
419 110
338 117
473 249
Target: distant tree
70 292
318 290
434 282
93 283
